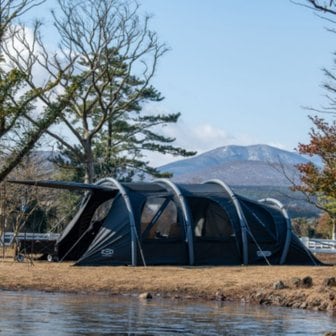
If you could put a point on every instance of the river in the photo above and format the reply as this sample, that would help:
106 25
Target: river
48 314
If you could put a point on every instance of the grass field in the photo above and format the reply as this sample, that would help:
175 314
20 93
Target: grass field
244 283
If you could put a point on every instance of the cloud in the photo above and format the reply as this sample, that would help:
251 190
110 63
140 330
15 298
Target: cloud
22 47
199 138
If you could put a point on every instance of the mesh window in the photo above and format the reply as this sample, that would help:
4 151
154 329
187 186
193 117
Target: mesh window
159 220
210 219
102 211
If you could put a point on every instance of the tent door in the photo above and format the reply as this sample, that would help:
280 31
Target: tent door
162 235
215 241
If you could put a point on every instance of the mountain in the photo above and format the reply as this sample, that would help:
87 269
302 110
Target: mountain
240 166
255 172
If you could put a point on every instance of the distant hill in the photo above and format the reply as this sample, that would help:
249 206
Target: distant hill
295 202
239 165
256 172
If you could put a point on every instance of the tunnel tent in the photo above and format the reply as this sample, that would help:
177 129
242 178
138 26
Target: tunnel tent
162 223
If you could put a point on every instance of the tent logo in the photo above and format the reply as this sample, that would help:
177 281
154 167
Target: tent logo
264 254
107 252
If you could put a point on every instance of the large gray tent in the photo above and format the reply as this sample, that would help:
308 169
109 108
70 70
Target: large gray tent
162 223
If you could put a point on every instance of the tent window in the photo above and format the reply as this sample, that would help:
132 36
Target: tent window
102 211
159 220
210 219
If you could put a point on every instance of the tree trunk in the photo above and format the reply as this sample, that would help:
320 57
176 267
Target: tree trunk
109 140
333 232
89 162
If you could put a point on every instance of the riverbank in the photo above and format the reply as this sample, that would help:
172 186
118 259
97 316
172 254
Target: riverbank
291 286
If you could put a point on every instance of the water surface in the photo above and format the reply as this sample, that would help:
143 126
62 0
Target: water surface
35 313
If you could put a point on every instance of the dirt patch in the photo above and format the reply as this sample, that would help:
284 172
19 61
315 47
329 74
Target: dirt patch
254 284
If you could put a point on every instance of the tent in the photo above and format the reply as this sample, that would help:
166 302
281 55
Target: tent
162 223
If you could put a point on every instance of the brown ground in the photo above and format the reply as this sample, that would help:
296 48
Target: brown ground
253 284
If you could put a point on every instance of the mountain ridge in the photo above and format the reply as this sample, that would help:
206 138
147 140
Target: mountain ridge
256 172
240 165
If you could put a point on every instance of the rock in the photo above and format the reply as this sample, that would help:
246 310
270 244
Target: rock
307 282
265 301
296 282
329 282
220 296
279 285
330 333
331 296
146 296
304 305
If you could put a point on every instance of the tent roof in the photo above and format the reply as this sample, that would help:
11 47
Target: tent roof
66 185
106 185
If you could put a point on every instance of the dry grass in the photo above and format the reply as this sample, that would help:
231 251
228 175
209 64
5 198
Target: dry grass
246 283
197 281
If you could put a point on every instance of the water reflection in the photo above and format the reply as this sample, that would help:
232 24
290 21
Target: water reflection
35 313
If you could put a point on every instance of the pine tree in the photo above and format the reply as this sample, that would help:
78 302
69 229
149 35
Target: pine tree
118 57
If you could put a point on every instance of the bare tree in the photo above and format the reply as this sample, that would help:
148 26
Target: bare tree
13 9
25 209
19 91
326 6
95 86
114 56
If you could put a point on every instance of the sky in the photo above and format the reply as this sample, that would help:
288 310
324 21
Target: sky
240 72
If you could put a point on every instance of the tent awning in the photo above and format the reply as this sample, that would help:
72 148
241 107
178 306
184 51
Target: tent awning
66 185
